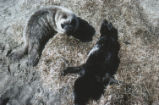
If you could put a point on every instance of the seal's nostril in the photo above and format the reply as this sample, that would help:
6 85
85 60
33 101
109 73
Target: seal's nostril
62 25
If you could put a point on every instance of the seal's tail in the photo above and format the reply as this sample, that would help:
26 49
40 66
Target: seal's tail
18 53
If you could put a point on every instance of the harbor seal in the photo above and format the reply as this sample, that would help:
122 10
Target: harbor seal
41 26
99 69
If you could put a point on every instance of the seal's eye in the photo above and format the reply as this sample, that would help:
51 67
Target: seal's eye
73 22
64 16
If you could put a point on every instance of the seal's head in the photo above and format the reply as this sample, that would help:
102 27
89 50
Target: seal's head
66 21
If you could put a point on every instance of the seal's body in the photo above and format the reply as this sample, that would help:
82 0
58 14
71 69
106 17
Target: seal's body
101 65
42 25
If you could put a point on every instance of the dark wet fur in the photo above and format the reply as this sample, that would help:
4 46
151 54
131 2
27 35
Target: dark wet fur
84 32
99 69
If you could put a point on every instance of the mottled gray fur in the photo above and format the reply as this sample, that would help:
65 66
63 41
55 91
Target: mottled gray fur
42 25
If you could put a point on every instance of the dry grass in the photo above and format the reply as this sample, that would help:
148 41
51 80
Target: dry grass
139 54
139 61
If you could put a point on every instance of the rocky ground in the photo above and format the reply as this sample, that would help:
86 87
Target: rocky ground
137 22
